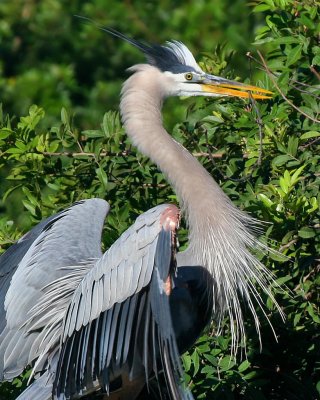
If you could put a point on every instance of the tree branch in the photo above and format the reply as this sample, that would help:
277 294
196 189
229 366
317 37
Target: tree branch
110 154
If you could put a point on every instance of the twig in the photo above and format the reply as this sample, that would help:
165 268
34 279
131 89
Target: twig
305 146
281 93
82 154
109 154
260 127
250 56
314 270
314 71
285 246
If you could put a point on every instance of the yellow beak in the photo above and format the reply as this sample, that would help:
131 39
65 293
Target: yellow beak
230 88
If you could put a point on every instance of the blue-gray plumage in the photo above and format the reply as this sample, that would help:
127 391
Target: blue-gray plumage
115 323
10 260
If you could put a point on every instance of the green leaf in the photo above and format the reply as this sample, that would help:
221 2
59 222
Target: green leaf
312 314
20 145
306 233
261 8
212 358
296 319
294 55
276 256
15 150
285 181
316 60
310 134
102 176
250 375
281 160
266 201
286 40
29 207
226 363
5 132
65 117
209 371
196 361
295 177
314 205
293 143
31 197
186 360
111 124
244 366
53 146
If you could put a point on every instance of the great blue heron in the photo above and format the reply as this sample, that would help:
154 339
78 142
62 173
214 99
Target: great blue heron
111 322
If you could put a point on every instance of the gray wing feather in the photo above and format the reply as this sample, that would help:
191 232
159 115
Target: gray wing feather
67 239
127 257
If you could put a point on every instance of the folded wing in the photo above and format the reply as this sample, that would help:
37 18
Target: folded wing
118 327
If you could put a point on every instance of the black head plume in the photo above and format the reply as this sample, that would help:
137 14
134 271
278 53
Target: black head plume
174 56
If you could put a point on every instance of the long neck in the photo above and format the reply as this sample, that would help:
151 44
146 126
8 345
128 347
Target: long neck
218 235
203 202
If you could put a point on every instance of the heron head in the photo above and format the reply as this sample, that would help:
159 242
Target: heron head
176 61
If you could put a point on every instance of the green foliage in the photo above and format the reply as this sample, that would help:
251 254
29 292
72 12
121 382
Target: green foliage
264 155
55 59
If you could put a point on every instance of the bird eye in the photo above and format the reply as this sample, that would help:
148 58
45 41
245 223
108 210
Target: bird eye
188 76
